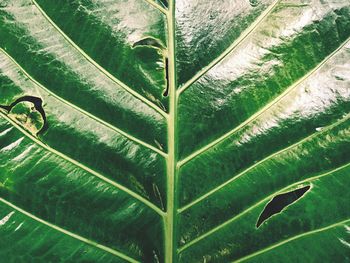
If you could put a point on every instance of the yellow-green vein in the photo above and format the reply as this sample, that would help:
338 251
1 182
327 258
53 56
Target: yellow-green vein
285 189
262 110
75 236
85 168
170 220
243 36
95 64
234 178
112 127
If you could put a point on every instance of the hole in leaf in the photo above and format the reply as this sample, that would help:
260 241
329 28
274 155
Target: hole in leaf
279 202
166 91
29 112
149 41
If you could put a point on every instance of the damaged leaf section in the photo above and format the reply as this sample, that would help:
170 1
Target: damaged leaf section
112 25
149 41
28 112
166 91
279 202
157 46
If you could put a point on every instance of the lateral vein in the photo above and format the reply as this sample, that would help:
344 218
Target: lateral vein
264 109
114 128
66 232
235 44
157 6
205 196
214 230
100 68
294 238
85 168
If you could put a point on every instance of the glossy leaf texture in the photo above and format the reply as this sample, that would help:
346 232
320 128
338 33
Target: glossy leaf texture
174 131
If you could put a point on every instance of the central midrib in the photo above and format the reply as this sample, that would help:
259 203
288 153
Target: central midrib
170 219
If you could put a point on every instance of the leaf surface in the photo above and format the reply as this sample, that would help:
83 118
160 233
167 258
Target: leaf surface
166 131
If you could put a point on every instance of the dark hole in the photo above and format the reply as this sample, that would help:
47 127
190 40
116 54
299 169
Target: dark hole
166 91
149 42
38 105
279 202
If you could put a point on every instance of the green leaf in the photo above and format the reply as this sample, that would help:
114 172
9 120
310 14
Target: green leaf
174 131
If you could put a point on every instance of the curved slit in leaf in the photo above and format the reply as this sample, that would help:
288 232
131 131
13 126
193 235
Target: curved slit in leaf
166 91
279 202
